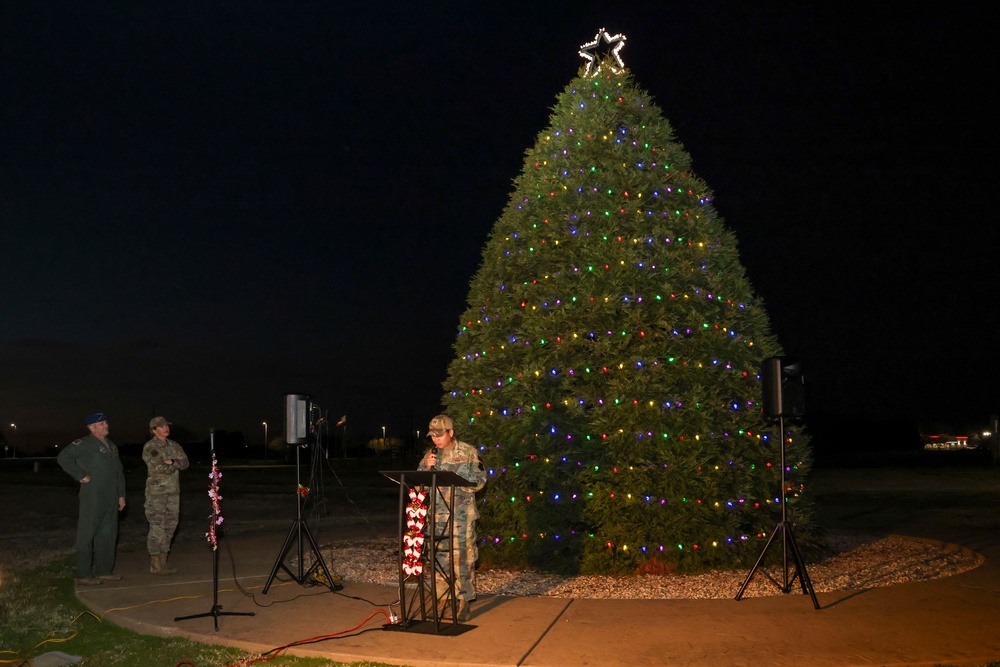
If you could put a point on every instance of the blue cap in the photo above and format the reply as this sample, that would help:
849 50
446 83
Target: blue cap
96 417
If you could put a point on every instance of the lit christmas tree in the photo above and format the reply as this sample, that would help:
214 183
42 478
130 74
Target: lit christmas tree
608 364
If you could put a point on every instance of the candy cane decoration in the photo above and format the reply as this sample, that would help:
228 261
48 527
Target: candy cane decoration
413 540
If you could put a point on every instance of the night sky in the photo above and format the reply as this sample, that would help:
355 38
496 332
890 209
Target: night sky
206 206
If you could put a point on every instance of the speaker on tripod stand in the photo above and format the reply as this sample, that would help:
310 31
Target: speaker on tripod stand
783 387
299 433
784 395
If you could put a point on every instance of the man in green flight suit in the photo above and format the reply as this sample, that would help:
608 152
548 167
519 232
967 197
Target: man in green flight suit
93 462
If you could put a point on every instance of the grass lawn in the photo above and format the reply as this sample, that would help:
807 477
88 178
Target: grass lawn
39 614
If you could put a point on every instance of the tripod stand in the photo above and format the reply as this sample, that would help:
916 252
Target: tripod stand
299 532
317 491
213 493
787 541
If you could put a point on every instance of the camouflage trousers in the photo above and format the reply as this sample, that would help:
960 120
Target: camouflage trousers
162 513
465 552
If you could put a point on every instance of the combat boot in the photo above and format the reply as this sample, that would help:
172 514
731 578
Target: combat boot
164 568
158 565
464 610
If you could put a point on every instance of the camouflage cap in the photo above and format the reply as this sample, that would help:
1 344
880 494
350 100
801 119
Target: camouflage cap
158 421
439 425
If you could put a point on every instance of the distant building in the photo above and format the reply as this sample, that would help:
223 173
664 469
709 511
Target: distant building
944 441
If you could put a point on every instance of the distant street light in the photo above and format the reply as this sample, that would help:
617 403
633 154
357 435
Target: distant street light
265 440
13 448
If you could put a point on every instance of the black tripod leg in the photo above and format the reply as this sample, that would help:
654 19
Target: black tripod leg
760 559
216 611
800 565
319 560
279 562
215 614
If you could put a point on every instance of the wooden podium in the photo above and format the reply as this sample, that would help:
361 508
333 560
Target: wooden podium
420 611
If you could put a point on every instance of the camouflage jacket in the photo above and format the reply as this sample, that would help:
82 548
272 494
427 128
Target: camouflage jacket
462 459
163 477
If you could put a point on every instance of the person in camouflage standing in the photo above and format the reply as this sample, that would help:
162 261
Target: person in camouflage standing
449 453
164 459
93 462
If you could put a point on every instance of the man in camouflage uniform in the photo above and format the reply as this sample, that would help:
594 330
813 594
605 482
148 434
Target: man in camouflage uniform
449 453
164 460
93 461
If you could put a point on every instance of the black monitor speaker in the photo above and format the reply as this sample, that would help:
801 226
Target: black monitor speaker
297 411
783 387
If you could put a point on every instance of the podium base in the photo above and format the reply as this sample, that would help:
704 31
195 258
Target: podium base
429 628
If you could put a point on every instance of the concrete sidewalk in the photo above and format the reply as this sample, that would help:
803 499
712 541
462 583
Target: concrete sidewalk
952 621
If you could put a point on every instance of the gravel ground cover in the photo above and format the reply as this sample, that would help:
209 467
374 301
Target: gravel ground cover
858 561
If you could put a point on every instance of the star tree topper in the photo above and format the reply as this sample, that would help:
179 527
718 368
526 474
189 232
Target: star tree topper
604 47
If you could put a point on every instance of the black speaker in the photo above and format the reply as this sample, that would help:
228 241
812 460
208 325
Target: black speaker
783 387
296 419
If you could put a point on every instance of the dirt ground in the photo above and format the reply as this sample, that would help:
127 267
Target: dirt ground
38 509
